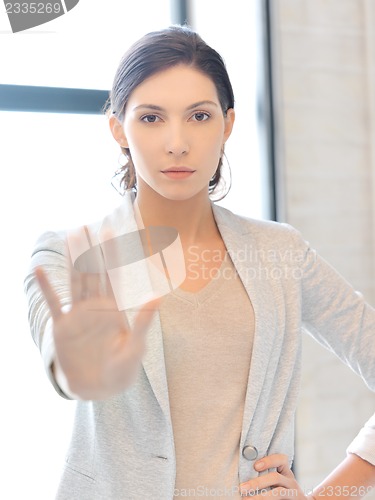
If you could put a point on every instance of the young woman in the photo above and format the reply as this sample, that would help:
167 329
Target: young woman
186 395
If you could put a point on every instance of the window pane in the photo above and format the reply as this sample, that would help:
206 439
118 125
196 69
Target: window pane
56 173
81 48
233 30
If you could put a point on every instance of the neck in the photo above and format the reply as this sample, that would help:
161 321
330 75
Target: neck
193 218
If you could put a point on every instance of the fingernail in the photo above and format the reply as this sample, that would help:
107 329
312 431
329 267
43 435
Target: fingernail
259 465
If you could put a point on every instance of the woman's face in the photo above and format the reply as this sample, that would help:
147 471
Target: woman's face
175 130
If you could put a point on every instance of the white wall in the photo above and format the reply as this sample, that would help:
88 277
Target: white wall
324 81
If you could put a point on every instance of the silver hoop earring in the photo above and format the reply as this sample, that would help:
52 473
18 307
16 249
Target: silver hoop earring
116 181
225 183
122 159
117 177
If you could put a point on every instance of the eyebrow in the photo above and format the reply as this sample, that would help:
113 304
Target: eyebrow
192 106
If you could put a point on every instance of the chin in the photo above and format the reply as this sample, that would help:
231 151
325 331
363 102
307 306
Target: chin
184 194
179 193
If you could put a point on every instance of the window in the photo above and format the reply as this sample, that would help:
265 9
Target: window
56 173
82 48
234 30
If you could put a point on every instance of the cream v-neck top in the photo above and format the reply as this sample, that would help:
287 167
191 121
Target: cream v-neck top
208 339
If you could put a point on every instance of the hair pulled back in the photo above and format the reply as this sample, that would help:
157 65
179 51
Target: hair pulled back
158 51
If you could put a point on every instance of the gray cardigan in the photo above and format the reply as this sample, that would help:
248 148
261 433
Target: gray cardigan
122 448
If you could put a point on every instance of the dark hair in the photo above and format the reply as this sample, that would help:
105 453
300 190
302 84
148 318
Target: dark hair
155 52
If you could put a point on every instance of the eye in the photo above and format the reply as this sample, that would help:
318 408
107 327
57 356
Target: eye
150 118
200 116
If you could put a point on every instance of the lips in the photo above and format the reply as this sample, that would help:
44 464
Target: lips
177 173
178 169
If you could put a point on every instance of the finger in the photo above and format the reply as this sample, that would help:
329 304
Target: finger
49 293
90 285
107 287
270 480
76 285
277 461
95 266
75 276
104 287
110 252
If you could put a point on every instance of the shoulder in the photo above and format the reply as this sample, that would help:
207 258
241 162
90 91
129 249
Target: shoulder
259 229
50 241
55 241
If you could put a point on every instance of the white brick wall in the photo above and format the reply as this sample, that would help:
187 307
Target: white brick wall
324 68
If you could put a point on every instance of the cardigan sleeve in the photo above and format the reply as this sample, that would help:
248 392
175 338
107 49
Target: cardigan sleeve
363 444
336 315
49 253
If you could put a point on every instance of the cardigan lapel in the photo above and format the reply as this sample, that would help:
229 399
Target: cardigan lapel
154 366
246 256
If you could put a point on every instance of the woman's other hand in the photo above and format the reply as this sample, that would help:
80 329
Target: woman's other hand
280 484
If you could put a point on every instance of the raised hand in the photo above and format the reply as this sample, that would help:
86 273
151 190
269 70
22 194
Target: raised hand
97 353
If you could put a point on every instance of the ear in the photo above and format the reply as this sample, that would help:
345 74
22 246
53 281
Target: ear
229 122
118 131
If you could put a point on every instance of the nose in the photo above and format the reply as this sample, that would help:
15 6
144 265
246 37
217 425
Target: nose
176 141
